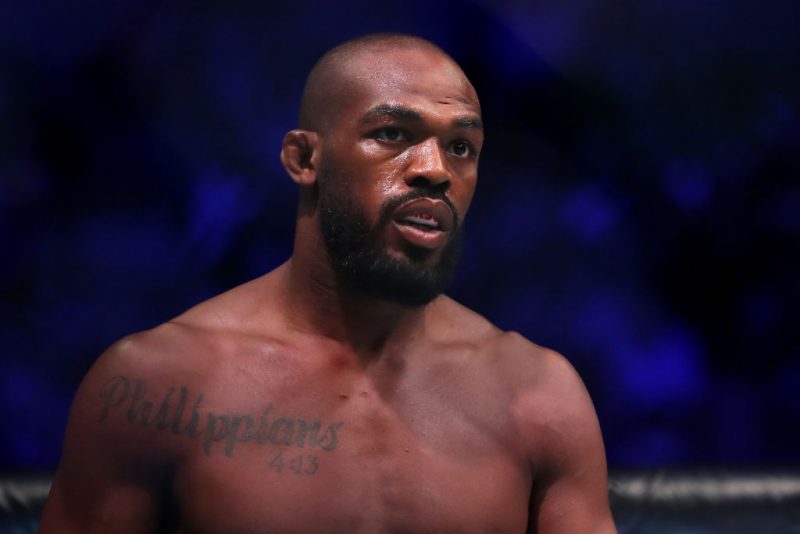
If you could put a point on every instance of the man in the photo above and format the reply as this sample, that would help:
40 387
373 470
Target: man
342 392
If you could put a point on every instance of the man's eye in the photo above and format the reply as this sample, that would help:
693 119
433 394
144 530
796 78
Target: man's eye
462 149
392 135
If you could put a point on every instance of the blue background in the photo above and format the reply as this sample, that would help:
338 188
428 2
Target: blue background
637 210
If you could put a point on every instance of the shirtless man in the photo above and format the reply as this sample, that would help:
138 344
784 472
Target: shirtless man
342 392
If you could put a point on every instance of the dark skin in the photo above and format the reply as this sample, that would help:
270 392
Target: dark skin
291 404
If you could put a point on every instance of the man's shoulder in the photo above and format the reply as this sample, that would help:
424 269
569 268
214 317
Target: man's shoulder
247 309
532 365
520 364
544 392
458 323
161 345
532 369
161 354
204 345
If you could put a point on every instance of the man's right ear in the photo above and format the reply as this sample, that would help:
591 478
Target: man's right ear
300 155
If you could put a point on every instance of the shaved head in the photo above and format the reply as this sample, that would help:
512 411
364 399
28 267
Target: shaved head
327 83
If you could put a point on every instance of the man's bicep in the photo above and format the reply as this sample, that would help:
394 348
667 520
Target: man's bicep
109 477
573 504
85 505
571 484
575 498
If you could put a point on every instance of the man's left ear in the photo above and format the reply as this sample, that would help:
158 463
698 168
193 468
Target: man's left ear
300 156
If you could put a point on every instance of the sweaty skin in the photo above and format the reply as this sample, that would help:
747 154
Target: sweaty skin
292 404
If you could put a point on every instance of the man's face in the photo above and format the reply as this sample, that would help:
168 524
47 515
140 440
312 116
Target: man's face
397 174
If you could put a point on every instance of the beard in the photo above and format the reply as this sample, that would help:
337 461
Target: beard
364 266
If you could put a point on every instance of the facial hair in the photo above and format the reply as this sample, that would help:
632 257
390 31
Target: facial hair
361 262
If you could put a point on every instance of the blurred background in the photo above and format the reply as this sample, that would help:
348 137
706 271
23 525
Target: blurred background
638 206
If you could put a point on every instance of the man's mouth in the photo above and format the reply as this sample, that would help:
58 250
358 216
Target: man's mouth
424 222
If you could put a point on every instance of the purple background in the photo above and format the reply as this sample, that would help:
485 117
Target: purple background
638 206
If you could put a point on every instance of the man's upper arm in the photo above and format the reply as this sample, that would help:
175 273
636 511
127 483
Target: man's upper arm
110 476
570 491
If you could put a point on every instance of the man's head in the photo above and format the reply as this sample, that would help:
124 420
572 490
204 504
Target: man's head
386 156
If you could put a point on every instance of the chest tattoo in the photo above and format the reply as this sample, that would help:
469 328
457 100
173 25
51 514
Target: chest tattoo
181 412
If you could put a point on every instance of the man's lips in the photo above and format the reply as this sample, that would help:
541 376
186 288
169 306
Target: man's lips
423 222
426 213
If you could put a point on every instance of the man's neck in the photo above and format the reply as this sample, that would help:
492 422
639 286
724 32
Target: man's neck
317 303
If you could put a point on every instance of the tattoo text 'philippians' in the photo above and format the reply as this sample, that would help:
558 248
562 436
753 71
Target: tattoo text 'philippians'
182 414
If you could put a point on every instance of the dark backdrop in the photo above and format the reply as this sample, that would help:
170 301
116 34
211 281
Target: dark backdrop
637 207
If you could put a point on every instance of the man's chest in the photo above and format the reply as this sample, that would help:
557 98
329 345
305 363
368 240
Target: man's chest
361 465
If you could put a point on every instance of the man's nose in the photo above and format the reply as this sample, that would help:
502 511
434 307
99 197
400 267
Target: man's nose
429 166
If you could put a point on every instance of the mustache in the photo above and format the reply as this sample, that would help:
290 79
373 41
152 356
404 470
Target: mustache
434 194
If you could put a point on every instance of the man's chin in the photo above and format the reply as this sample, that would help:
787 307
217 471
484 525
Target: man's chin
416 258
402 281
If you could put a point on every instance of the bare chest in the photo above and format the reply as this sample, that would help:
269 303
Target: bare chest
357 465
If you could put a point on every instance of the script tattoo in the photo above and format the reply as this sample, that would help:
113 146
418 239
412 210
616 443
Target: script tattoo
125 395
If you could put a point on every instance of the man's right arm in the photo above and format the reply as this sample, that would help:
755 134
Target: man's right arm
111 475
